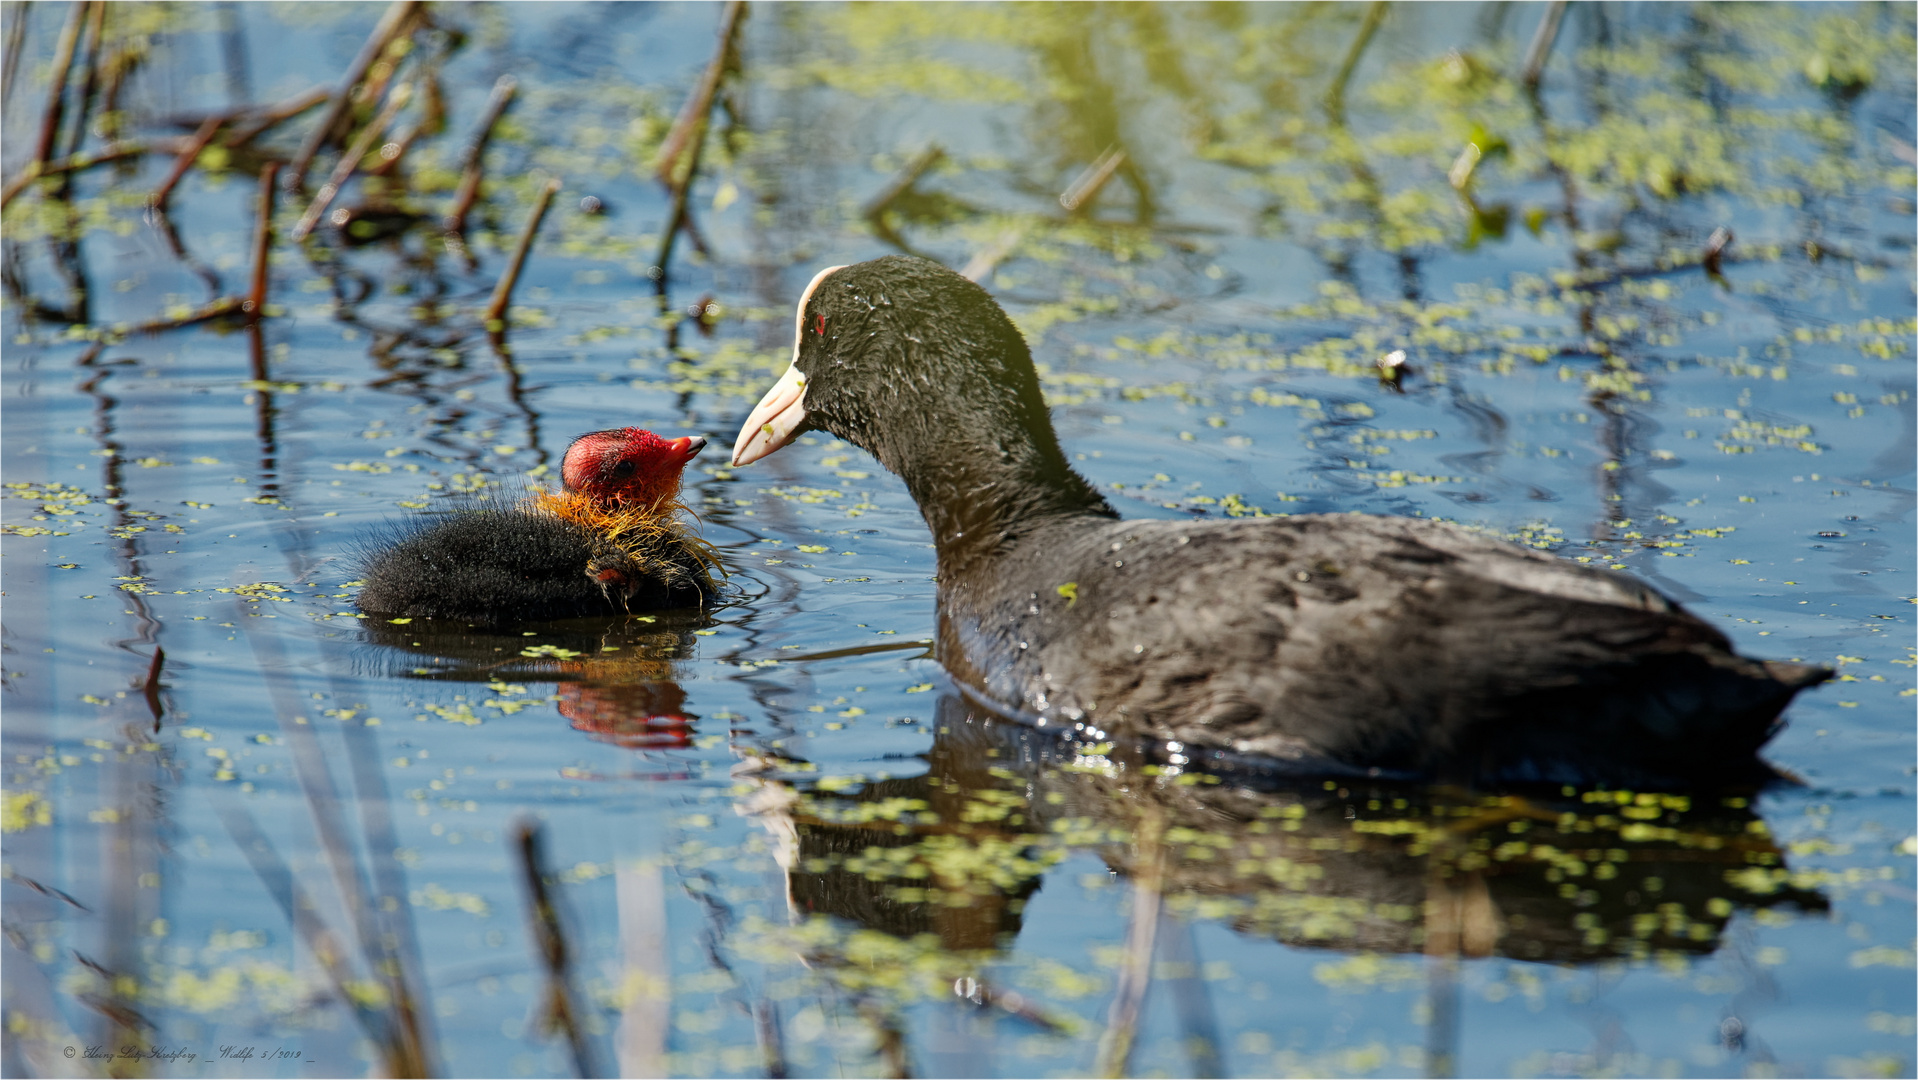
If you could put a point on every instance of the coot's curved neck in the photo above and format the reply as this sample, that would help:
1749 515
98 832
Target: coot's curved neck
980 506
982 486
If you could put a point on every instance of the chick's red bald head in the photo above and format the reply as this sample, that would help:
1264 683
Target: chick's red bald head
624 468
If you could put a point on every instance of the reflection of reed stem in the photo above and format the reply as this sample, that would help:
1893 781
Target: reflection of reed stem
1541 48
894 1064
1335 95
1135 968
151 688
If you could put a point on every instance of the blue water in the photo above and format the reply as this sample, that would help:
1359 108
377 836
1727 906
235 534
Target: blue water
702 779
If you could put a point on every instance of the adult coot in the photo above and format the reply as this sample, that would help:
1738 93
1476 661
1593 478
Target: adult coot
611 541
1336 641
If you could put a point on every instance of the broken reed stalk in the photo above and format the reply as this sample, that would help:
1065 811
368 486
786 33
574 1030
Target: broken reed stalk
89 83
1541 48
1135 967
57 84
550 937
350 161
274 116
495 317
691 121
225 305
893 1060
122 62
1087 185
903 181
1335 94
114 152
687 143
184 161
16 41
992 255
89 73
300 911
473 161
262 242
398 15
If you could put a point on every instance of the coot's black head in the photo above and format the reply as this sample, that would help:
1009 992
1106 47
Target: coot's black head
912 362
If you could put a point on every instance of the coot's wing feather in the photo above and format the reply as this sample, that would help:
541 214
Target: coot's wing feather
1399 643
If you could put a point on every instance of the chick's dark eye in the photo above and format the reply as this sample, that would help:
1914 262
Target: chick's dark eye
624 469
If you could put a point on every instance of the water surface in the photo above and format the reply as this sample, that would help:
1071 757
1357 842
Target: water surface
777 838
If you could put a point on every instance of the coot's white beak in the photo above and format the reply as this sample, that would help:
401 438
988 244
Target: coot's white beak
780 413
774 420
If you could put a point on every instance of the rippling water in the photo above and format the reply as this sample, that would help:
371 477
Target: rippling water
775 836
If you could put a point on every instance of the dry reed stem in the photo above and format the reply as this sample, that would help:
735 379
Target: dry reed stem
113 152
473 161
274 116
562 1014
57 85
495 316
1086 186
350 161
262 242
1135 967
692 118
397 15
183 161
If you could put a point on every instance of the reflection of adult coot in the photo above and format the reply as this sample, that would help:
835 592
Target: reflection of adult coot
1356 866
615 675
952 853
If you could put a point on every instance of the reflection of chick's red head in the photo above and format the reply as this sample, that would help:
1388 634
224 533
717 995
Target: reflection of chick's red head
627 468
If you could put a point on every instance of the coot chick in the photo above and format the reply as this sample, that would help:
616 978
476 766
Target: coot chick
610 542
1337 642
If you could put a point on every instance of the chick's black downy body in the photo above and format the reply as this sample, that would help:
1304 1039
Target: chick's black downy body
608 543
499 565
1339 642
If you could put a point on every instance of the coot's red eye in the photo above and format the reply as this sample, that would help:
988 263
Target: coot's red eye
819 325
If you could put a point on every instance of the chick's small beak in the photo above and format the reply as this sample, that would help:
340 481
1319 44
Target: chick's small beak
774 420
686 448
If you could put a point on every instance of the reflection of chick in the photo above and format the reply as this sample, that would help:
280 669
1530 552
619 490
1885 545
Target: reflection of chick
610 542
638 716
